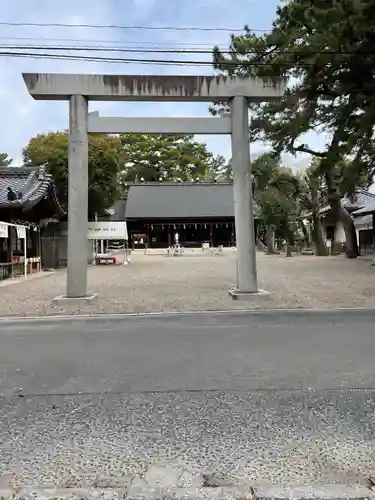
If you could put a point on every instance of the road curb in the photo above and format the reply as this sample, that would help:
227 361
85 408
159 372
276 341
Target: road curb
147 492
253 312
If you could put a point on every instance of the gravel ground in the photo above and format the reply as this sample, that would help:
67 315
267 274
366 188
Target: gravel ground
282 438
155 283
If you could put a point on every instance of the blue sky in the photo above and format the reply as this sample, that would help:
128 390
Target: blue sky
23 117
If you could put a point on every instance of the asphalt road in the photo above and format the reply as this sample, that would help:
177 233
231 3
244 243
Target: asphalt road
267 397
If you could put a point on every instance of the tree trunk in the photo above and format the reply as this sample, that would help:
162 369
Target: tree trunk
260 245
320 246
317 228
270 241
306 236
342 215
288 239
351 247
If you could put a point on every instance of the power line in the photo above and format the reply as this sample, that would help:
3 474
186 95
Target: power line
105 59
107 49
129 27
68 48
116 42
140 61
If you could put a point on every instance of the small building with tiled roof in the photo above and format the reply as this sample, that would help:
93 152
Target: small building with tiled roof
367 207
364 221
27 197
200 212
361 206
28 194
361 198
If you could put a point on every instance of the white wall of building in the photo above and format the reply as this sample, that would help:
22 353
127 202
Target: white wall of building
339 233
360 223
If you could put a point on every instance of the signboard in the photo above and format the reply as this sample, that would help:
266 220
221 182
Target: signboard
139 238
3 230
329 243
21 232
107 231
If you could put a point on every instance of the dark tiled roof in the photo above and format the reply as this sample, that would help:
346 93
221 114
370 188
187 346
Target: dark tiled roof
367 207
181 201
357 205
30 184
361 200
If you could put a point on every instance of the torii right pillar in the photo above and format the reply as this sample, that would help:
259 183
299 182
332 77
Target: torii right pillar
247 280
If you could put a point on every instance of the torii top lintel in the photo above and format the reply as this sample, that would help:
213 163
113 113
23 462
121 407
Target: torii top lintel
59 86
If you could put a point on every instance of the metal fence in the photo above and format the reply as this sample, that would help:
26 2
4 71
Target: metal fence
9 270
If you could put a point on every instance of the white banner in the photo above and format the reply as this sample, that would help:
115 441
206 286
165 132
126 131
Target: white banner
21 232
107 231
3 230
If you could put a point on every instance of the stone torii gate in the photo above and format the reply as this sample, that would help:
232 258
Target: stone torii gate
80 89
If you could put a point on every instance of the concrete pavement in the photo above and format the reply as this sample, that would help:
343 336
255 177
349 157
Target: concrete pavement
267 398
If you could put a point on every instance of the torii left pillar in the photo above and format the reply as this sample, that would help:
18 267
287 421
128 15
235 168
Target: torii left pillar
78 178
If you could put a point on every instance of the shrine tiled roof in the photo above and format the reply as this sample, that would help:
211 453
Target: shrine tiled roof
367 205
25 187
361 199
363 202
173 200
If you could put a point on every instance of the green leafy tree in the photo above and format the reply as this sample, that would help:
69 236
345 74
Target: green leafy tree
51 149
222 168
5 161
264 168
330 68
276 192
278 202
154 157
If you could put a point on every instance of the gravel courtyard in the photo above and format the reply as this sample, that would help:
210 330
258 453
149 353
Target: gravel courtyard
191 283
